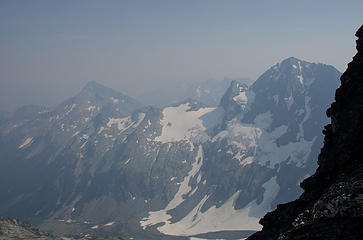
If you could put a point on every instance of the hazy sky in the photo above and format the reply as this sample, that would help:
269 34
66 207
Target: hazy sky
50 49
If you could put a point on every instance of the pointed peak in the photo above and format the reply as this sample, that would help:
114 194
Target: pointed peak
291 61
95 86
106 94
101 90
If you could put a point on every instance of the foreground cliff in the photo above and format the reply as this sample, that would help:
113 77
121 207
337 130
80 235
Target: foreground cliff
331 206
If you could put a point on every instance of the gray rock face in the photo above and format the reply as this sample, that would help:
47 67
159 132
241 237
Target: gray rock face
100 162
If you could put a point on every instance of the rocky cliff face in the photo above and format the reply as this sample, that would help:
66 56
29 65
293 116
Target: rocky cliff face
331 206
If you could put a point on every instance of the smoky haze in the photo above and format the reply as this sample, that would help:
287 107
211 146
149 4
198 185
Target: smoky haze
50 50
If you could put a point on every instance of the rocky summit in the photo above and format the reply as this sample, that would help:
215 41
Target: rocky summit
331 207
102 164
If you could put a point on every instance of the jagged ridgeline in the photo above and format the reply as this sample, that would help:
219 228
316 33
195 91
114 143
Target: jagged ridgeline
331 207
102 163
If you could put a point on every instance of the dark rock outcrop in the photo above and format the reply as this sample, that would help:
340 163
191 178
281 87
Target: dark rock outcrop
11 228
15 229
331 206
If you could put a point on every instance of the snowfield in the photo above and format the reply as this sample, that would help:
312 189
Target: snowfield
180 123
223 218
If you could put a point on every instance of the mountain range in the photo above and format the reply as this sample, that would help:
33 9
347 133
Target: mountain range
103 163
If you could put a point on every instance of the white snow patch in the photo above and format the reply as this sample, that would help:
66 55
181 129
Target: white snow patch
27 142
180 124
300 67
109 224
128 160
95 227
122 123
301 79
101 129
199 178
84 144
